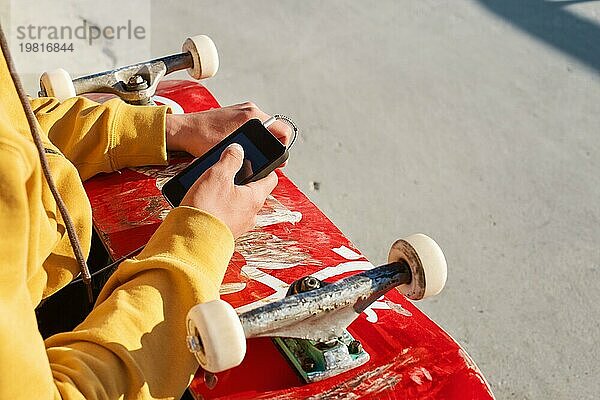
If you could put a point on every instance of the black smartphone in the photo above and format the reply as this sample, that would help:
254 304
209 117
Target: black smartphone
263 152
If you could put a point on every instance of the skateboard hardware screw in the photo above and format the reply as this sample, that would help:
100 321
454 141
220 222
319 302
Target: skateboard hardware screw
308 365
326 345
305 284
136 82
210 380
310 283
355 347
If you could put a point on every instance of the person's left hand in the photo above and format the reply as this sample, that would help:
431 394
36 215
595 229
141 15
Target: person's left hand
196 133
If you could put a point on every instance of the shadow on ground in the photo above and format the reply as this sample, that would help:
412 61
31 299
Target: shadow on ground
553 23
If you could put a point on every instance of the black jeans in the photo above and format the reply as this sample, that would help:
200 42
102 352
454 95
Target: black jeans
68 307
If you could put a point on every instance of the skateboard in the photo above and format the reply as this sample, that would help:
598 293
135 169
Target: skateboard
302 313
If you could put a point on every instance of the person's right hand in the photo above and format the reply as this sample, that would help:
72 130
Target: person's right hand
216 193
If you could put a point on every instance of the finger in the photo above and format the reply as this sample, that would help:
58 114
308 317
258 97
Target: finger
265 186
281 131
231 160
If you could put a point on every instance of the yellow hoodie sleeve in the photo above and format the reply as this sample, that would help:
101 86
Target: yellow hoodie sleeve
120 349
104 137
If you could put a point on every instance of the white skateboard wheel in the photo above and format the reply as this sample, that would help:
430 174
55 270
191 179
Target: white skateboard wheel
433 262
216 336
427 264
205 56
58 83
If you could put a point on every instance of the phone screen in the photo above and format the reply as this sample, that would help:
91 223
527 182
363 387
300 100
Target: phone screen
262 154
254 160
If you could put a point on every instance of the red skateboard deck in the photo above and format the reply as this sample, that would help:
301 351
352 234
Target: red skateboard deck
411 357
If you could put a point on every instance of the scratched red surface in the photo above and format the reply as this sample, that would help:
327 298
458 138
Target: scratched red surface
411 357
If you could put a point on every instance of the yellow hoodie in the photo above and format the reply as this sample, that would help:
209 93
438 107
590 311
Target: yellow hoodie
132 345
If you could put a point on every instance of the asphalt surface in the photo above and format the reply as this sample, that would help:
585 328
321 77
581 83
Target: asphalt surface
476 122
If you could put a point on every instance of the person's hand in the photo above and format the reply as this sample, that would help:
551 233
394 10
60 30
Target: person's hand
198 132
215 192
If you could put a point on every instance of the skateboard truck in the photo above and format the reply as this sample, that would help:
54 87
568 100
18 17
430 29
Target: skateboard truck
309 324
318 360
136 84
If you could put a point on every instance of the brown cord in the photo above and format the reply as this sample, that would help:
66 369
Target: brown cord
35 133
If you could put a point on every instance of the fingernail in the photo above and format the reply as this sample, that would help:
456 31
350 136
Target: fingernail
236 147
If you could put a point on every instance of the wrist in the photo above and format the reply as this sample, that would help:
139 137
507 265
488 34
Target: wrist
175 132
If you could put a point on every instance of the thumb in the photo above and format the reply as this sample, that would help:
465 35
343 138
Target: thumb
231 159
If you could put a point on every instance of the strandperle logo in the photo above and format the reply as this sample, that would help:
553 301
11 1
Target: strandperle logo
80 36
87 31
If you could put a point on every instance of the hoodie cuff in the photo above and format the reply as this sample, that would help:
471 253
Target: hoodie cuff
137 136
196 238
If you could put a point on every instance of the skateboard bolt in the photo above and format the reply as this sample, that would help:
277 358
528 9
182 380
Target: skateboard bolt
310 283
210 380
308 365
326 345
305 284
136 82
355 347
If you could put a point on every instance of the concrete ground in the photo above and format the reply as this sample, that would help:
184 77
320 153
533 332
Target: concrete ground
476 122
